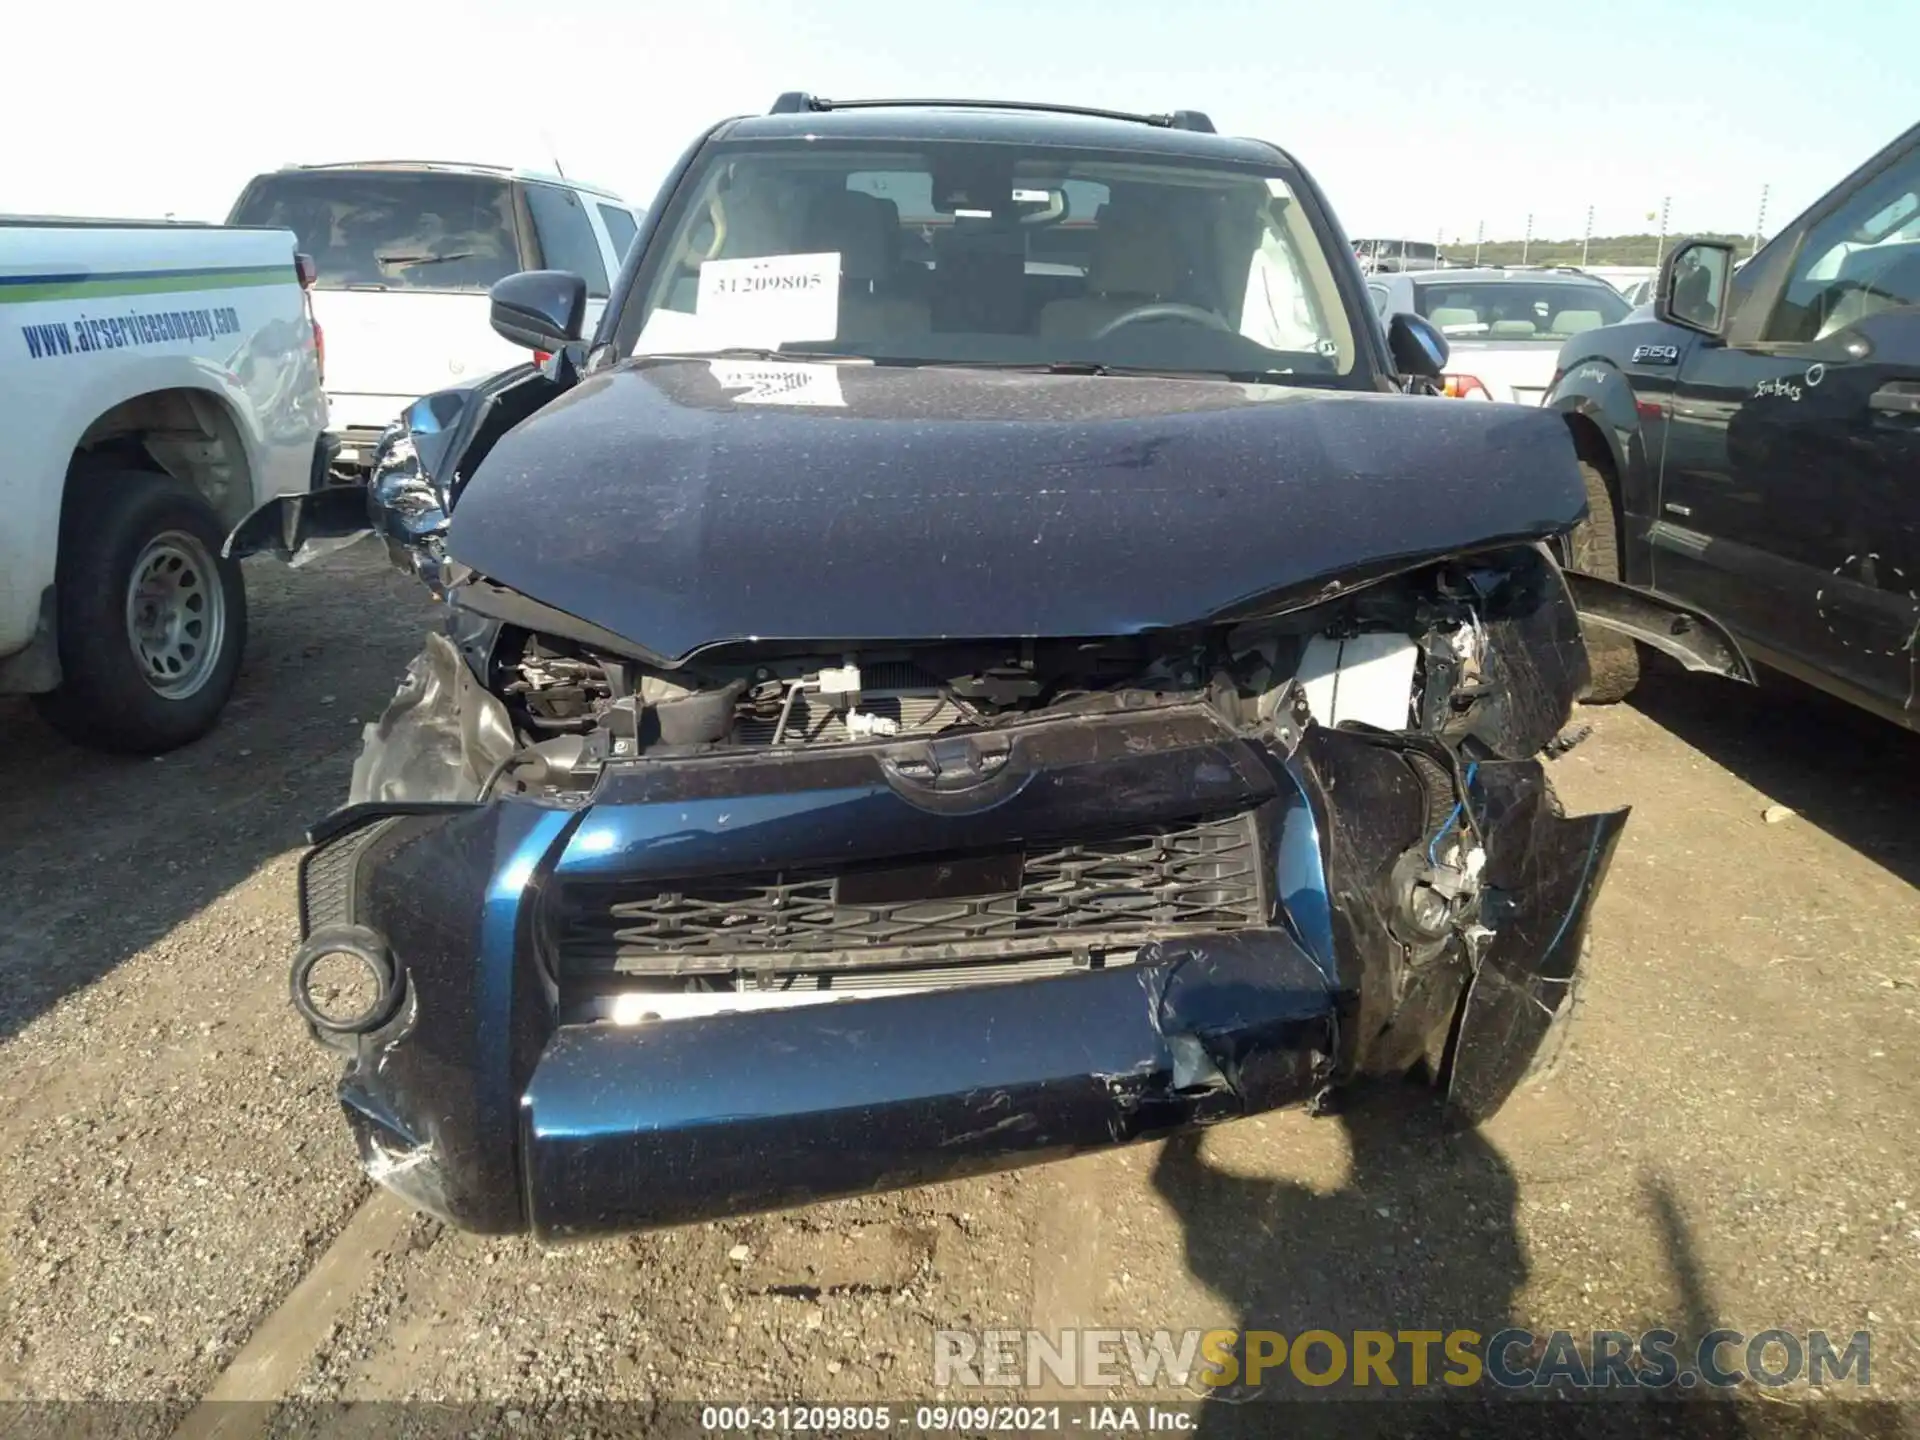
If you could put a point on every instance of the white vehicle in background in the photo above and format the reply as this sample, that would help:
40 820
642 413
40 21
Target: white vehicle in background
1383 257
1504 327
405 252
159 383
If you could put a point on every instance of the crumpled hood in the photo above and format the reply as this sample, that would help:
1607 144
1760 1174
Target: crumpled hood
686 503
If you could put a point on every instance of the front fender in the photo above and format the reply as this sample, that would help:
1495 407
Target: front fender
1595 391
1598 401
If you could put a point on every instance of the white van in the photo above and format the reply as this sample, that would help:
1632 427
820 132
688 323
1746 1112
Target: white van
404 251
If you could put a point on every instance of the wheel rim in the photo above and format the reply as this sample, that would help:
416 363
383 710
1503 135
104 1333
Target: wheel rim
176 614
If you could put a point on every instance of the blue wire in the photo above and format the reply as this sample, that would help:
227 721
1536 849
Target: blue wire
1433 845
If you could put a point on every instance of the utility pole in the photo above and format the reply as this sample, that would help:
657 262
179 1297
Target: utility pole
1660 254
1587 242
1479 235
1760 222
1526 246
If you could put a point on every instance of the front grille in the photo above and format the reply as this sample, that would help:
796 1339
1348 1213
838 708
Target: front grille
1082 895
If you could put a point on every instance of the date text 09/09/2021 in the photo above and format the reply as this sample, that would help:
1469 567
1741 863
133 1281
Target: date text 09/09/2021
1098 1418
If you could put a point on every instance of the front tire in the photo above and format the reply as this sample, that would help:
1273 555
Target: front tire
152 621
1594 548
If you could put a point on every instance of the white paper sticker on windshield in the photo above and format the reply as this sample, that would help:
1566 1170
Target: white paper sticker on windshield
770 300
770 383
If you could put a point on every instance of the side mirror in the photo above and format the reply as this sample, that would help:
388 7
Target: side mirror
1694 281
1417 346
539 309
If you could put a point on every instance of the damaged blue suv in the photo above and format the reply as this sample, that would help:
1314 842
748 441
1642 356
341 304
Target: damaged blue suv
983 655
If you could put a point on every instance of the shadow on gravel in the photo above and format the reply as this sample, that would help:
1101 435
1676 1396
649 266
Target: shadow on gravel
1423 1236
103 855
1855 776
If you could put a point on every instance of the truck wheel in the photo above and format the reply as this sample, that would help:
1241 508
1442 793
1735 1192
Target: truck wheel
1594 548
152 620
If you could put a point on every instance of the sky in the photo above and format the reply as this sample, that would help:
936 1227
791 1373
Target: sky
1418 119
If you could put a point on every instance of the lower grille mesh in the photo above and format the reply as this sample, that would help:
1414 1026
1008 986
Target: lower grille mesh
326 876
1203 875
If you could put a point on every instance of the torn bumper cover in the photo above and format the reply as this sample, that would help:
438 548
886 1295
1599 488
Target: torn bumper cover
626 1128
502 1085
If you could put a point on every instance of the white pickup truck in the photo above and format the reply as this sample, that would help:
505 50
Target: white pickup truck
158 384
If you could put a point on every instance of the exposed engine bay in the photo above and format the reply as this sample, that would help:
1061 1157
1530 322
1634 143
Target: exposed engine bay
1449 665
1411 655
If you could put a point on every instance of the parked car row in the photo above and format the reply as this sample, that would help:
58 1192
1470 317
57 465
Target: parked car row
160 383
988 635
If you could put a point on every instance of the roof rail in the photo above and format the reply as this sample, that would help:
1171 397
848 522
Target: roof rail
796 102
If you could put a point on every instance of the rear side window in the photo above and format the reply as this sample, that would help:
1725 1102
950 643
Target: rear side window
391 230
1517 309
566 236
620 229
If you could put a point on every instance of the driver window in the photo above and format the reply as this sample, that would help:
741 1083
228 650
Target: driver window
1861 260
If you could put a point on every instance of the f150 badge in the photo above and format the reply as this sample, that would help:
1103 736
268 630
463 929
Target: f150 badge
1656 354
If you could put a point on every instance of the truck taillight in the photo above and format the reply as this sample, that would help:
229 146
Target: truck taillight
308 272
540 357
1463 387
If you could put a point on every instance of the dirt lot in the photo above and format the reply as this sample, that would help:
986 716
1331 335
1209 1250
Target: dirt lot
1730 1141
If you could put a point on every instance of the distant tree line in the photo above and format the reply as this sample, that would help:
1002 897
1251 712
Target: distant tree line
1601 250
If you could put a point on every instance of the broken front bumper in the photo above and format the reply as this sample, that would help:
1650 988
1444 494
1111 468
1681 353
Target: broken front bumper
492 1088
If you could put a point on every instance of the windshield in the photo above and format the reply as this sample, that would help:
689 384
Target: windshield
989 253
1518 310
391 230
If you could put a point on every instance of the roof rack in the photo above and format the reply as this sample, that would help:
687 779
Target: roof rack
406 165
797 102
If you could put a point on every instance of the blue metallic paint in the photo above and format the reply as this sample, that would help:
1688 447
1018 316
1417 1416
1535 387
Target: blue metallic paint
945 503
633 1128
1300 874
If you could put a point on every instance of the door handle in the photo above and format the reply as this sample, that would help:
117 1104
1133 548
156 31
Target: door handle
1899 398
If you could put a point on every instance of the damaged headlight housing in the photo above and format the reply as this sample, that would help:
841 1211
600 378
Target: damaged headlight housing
406 505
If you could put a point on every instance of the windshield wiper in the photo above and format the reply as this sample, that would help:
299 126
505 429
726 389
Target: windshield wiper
384 260
750 352
1070 367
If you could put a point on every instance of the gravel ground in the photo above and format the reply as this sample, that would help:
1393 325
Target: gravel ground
1728 1142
